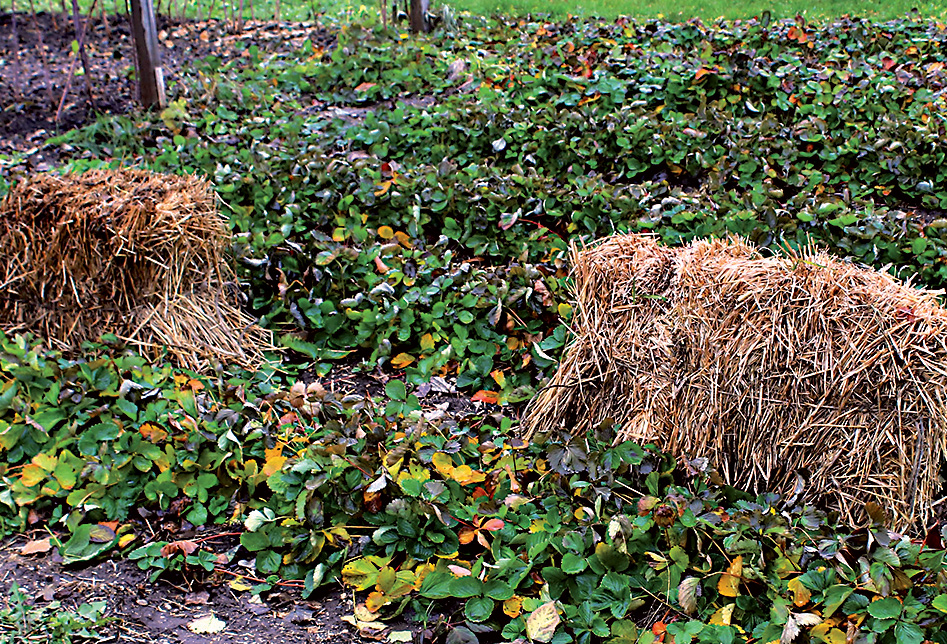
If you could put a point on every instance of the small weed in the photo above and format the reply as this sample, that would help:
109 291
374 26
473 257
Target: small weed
21 621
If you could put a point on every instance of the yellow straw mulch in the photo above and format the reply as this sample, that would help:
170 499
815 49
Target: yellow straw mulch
768 366
127 252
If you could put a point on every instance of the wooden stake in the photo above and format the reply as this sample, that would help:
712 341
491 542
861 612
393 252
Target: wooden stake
418 17
147 54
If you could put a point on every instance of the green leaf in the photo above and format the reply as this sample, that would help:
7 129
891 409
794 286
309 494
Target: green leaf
478 609
254 541
834 597
395 390
496 589
887 608
573 564
268 562
907 633
611 557
436 585
468 586
85 543
940 603
461 635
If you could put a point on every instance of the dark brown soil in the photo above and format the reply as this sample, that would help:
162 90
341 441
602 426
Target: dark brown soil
160 612
37 61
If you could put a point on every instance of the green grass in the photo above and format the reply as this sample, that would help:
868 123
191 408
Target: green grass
706 9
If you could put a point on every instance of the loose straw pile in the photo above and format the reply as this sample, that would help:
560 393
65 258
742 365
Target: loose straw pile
768 366
128 252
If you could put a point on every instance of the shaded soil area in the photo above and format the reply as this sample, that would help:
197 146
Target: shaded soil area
44 90
163 611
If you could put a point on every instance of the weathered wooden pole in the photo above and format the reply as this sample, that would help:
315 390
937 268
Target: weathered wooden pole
418 17
147 54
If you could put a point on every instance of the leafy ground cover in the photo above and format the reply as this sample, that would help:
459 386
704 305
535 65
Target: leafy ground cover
404 206
410 508
368 179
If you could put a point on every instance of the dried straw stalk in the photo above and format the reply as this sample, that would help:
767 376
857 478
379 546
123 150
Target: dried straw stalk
767 366
136 254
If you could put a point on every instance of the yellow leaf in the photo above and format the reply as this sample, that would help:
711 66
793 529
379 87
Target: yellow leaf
274 461
385 232
513 606
45 461
126 539
207 625
427 342
32 474
723 615
565 310
239 585
800 594
403 239
443 464
498 377
466 475
835 636
729 584
339 234
542 622
402 360
375 601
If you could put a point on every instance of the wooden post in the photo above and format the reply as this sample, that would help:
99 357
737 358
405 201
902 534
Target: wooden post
418 17
147 54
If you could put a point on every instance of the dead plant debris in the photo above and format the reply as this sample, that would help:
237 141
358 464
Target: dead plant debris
127 252
769 366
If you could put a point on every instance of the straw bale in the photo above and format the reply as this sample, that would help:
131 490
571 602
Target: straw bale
127 252
768 366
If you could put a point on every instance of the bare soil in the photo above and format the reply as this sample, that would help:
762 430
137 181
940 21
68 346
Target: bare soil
44 90
159 612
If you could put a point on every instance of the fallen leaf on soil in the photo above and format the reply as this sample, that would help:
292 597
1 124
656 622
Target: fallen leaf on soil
209 624
40 545
400 636
364 614
196 599
239 585
363 626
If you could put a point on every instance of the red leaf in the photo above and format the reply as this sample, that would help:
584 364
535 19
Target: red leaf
493 525
887 63
700 73
485 396
364 87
